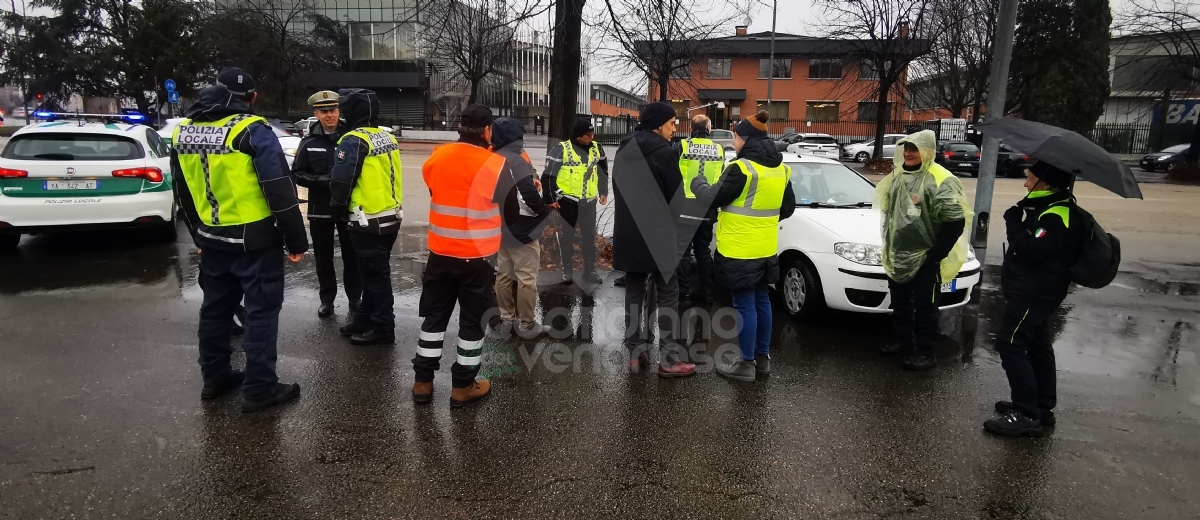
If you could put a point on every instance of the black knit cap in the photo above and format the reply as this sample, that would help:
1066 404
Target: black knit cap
582 126
477 116
654 115
1051 175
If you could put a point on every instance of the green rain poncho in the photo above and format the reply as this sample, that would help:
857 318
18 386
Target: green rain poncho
913 205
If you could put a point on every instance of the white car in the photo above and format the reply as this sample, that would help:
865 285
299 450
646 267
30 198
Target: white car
861 152
816 145
94 172
829 249
289 142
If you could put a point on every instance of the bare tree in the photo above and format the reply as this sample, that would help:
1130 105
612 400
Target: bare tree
959 62
883 35
565 61
269 39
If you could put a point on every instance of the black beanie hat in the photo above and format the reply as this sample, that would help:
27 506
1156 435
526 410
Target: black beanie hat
1051 175
654 115
582 126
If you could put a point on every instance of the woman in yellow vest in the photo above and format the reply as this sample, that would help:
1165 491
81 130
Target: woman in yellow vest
753 194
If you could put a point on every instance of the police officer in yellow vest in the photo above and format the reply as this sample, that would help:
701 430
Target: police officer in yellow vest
576 176
240 205
698 155
367 191
753 195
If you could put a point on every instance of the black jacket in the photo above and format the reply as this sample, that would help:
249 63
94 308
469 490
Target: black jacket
516 181
731 273
1041 248
261 144
312 166
649 193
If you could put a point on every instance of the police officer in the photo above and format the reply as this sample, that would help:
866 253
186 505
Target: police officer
754 194
464 232
1044 241
577 173
698 155
366 190
314 162
240 205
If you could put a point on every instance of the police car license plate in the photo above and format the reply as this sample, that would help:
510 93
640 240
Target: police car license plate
71 185
819 152
950 287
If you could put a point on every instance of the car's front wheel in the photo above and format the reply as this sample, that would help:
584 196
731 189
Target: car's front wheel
862 157
800 288
9 241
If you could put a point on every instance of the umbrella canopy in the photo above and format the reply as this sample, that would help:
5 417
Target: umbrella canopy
1067 151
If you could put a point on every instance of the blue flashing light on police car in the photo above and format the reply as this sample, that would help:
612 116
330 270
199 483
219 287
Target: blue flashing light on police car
134 117
41 114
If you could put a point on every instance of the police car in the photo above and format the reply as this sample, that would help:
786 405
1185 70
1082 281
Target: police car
85 171
829 250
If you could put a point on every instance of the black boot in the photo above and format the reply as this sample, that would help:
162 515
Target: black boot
222 385
920 361
619 282
1006 407
1014 424
892 349
356 326
326 309
375 336
592 277
282 393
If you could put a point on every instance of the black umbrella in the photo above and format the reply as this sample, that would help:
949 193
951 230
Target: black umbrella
1067 151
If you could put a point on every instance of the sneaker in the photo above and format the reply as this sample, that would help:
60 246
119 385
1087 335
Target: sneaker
920 362
1006 407
354 328
619 282
1014 424
762 364
282 394
530 331
460 397
222 385
740 370
376 336
422 392
679 369
592 277
892 349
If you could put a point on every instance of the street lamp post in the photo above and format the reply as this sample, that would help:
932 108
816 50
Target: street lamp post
771 66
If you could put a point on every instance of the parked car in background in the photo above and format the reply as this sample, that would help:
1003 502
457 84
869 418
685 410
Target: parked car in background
305 125
818 145
1164 159
1011 163
861 152
20 112
723 138
958 156
783 141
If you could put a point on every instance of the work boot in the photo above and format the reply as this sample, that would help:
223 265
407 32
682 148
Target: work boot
325 310
762 364
568 277
619 282
222 385
679 369
892 349
1006 407
354 328
282 394
1014 424
920 362
741 370
375 336
460 397
636 363
592 277
530 331
422 392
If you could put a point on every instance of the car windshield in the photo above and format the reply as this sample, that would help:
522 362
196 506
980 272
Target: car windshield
817 183
1179 148
72 147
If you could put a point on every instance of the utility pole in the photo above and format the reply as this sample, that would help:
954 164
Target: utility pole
997 91
771 67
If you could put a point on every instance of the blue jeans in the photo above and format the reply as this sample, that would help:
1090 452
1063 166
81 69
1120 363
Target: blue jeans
226 277
754 305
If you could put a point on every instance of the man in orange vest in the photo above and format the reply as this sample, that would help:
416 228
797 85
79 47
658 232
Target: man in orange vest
464 231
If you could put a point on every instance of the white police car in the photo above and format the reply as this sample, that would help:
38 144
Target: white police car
829 250
85 171
290 143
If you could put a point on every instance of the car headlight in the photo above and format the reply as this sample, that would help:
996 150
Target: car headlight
865 254
1166 157
291 152
971 254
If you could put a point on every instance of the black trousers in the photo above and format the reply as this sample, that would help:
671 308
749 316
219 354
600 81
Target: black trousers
915 310
226 277
469 283
1026 350
374 256
585 224
698 280
322 230
637 336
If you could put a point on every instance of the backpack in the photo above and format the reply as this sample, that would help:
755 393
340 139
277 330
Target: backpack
1099 253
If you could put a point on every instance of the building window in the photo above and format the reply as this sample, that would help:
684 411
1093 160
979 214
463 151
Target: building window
866 70
867 110
720 68
824 69
681 109
681 68
782 68
822 111
381 41
778 111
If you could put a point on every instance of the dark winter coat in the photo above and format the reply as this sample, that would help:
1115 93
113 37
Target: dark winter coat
731 273
312 166
521 206
1041 248
647 181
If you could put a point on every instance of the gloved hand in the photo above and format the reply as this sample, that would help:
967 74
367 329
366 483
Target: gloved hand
1012 220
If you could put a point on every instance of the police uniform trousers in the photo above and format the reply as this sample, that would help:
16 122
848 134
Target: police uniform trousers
226 277
585 224
445 282
1026 349
322 230
374 252
915 309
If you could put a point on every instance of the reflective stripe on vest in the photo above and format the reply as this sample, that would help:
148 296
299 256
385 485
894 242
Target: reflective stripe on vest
221 180
380 186
700 155
747 229
464 222
574 174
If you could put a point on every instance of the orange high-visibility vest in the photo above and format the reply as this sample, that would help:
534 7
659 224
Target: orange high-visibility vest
464 222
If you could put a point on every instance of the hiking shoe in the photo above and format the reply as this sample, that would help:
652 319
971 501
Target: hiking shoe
376 336
762 364
592 277
740 370
1014 424
1006 407
679 369
222 385
282 394
422 392
920 362
460 397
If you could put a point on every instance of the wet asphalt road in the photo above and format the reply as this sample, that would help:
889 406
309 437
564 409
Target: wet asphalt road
102 417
